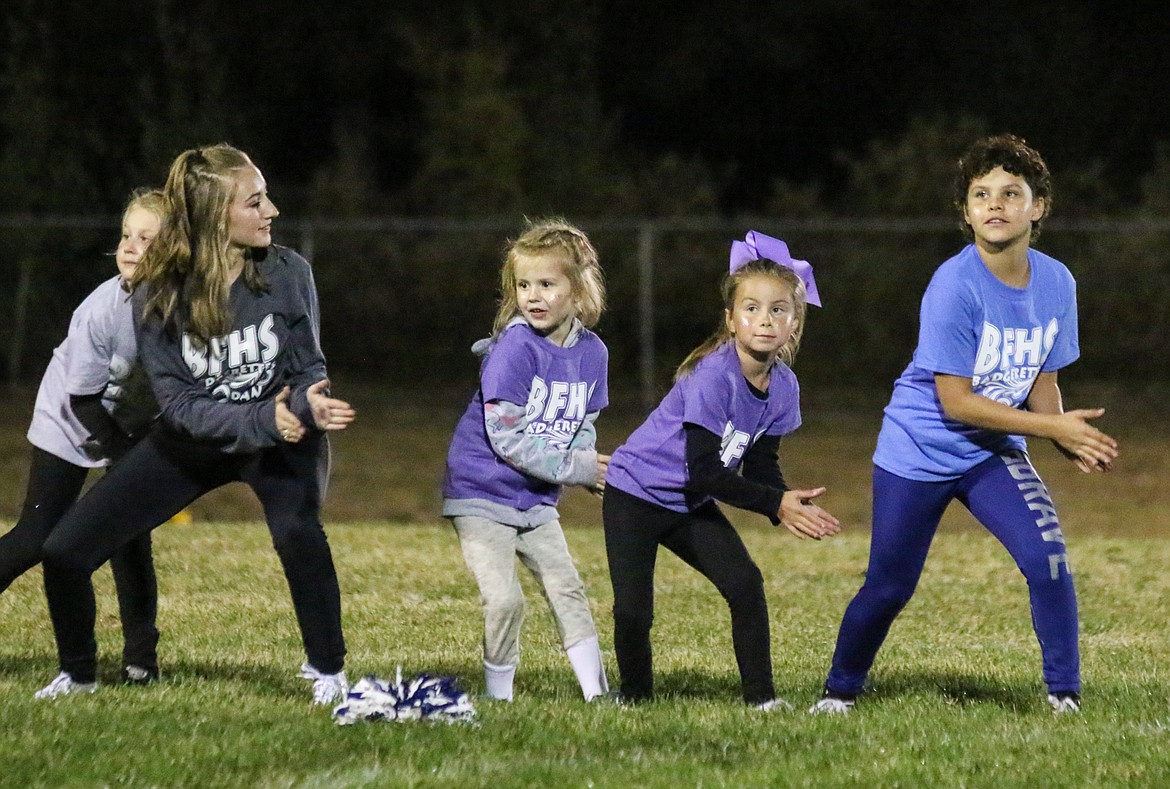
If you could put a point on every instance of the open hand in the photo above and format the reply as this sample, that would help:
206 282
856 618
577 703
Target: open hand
328 412
803 518
1089 448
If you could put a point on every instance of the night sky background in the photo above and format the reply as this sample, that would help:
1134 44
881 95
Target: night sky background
486 108
462 118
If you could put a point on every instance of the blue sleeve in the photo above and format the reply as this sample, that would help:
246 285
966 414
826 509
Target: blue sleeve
1066 349
947 338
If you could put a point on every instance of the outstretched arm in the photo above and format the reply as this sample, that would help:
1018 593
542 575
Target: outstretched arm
1090 448
762 487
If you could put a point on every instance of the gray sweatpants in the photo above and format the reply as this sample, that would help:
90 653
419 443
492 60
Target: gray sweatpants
490 550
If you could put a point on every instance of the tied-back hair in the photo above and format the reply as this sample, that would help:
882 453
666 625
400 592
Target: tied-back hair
186 267
1014 155
756 268
555 236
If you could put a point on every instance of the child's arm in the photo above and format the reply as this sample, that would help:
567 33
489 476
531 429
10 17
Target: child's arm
761 488
106 436
538 456
1069 430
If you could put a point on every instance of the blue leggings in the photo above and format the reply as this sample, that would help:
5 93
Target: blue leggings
1007 496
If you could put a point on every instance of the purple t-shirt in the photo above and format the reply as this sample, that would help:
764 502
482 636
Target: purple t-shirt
558 387
652 464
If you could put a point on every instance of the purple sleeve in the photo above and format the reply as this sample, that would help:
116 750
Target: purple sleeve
706 394
508 370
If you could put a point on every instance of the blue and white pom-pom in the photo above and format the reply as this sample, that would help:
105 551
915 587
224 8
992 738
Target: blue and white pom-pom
423 698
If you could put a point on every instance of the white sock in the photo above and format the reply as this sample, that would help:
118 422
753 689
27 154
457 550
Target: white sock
585 657
499 680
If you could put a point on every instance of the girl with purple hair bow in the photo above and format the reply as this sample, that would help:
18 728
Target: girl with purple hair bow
716 437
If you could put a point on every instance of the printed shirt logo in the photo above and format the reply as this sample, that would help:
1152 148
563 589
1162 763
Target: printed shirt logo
734 444
556 409
238 367
1009 359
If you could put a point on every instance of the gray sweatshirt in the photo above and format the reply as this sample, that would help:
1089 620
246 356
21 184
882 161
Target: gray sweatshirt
225 393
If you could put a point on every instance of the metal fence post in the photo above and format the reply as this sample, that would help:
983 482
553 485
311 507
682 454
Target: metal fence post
647 356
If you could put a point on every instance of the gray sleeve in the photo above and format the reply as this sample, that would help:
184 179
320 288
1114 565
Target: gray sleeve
536 456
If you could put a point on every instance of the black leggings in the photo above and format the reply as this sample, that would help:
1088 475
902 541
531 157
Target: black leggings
705 540
159 477
53 486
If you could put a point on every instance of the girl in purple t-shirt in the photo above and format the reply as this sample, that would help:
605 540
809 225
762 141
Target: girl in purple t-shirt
528 431
733 399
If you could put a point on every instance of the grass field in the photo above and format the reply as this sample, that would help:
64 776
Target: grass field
957 698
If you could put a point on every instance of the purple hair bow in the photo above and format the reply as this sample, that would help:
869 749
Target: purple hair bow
757 245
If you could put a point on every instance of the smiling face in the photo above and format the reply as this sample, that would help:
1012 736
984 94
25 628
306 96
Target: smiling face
763 317
251 212
544 295
139 228
1000 209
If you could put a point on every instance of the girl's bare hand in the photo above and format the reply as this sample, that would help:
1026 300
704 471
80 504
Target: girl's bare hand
328 412
291 429
803 518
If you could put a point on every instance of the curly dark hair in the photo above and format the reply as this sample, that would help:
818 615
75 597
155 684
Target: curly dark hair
1014 156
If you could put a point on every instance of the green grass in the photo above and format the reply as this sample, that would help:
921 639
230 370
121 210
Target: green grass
957 698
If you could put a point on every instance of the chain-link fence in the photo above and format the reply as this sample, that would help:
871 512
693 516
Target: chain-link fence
403 299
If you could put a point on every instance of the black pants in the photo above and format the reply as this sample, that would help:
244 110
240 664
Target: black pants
53 485
159 477
705 540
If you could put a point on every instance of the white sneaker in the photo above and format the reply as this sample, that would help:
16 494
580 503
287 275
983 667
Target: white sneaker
774 705
1063 703
63 685
831 705
308 672
329 688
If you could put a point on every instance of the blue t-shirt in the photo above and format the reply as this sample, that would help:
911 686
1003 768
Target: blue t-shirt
652 464
975 326
558 386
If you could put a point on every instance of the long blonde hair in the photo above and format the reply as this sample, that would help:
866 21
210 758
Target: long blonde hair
545 236
187 266
756 268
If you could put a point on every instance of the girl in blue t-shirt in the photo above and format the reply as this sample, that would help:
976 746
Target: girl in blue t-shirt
998 321
733 399
528 431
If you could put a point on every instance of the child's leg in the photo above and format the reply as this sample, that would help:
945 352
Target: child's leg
631 547
139 492
543 550
489 549
53 485
710 544
905 516
137 588
1010 499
